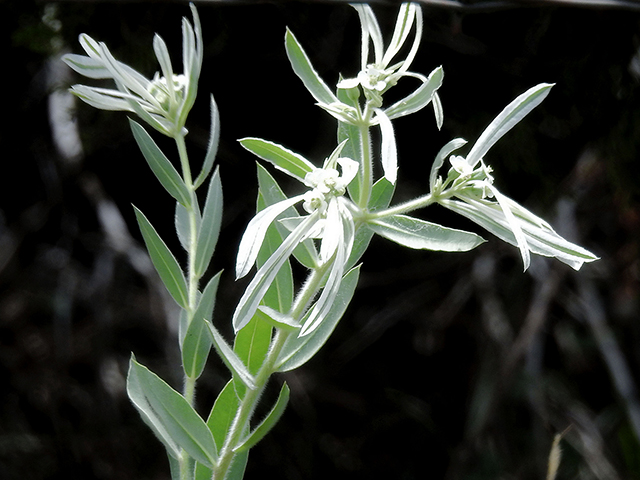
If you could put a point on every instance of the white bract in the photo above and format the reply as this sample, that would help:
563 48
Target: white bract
162 104
471 182
330 220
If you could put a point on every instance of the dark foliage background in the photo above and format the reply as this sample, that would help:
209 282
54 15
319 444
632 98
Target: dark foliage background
445 366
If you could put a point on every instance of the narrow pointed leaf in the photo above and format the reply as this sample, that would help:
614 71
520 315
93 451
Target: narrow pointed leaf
303 69
507 119
283 159
418 99
183 225
541 238
170 415
353 148
257 288
276 318
298 350
164 261
270 193
196 344
252 345
269 421
388 149
230 358
415 233
254 234
212 149
210 226
160 165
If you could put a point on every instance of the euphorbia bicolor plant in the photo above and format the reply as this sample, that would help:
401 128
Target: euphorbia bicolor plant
325 226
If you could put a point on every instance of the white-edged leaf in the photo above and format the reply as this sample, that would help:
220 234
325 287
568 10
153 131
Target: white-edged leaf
230 359
277 319
257 288
415 233
420 98
282 158
541 238
212 148
388 149
507 119
255 232
170 416
303 69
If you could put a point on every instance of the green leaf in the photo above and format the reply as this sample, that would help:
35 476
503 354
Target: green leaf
269 421
298 350
210 226
303 69
164 261
160 165
219 422
230 359
183 228
197 341
507 119
415 233
252 345
353 148
277 319
169 415
381 195
418 99
282 158
271 193
212 149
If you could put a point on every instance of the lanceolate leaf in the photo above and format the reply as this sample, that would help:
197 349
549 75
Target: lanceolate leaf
212 149
210 226
282 158
271 193
388 149
160 165
415 233
268 423
298 350
229 357
303 68
182 223
164 261
507 119
197 342
252 345
170 416
418 99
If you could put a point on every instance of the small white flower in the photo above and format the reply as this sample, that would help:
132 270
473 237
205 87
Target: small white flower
461 166
314 200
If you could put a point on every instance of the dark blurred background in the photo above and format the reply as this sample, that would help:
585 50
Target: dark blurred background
446 366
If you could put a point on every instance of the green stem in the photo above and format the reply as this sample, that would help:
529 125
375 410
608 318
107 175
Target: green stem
367 160
193 279
268 368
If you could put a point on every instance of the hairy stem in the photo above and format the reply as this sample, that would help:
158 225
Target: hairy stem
248 404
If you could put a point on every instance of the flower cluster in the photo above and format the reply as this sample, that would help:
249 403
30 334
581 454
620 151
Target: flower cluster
162 104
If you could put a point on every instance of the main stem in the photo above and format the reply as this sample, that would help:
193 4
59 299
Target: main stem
268 368
193 279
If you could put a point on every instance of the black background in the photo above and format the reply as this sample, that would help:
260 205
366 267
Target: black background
446 366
